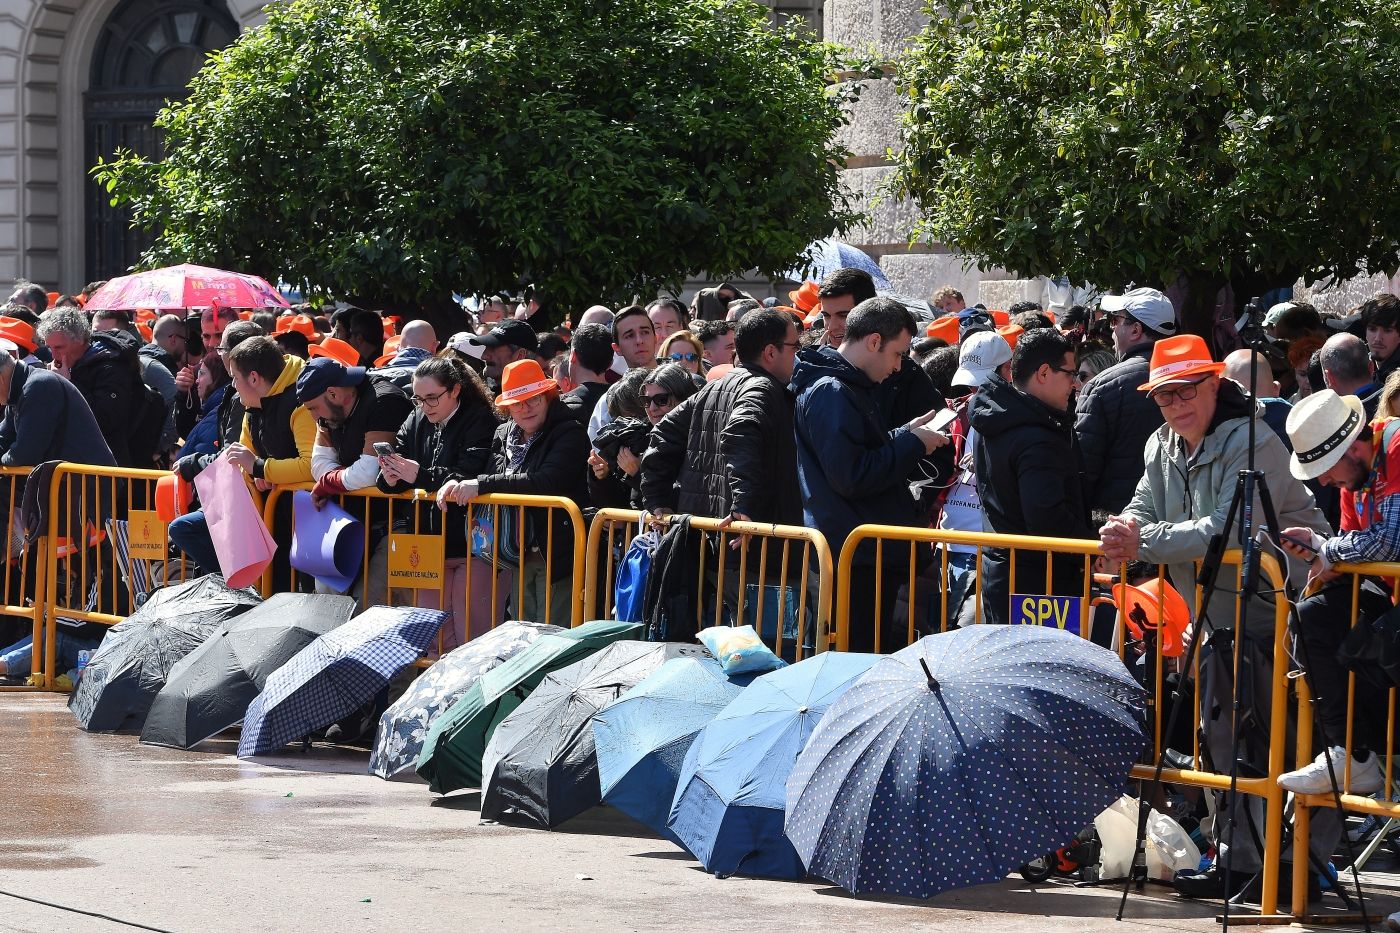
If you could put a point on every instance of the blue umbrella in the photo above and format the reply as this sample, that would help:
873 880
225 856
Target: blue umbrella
955 760
824 257
729 804
336 674
642 739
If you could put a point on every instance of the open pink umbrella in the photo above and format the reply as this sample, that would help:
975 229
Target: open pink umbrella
185 286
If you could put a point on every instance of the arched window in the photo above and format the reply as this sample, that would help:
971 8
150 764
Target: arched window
145 56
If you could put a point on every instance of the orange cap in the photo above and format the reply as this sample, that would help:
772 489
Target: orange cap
1145 609
20 333
1012 333
1175 359
521 381
945 329
336 349
299 323
805 298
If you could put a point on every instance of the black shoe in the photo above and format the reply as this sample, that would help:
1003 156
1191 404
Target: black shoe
1249 894
1209 884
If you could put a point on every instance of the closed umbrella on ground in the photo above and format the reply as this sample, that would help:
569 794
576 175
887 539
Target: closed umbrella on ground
336 674
540 762
405 723
211 687
452 750
963 756
642 738
130 667
730 802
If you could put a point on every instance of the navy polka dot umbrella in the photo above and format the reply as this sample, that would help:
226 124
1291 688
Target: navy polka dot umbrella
959 758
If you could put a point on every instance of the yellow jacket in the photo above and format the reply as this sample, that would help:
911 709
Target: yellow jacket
278 426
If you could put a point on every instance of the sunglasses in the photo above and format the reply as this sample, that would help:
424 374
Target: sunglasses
684 357
657 401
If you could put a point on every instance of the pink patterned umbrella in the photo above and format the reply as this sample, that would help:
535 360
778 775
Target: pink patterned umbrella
185 286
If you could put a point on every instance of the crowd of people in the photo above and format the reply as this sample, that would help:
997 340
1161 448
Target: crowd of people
838 408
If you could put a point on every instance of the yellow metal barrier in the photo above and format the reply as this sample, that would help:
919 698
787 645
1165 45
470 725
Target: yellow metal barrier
23 573
879 537
722 547
105 549
396 530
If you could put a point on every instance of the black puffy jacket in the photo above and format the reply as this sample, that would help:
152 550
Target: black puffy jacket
727 448
1113 421
553 466
460 450
1029 479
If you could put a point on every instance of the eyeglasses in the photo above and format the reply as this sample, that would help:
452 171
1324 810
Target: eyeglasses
684 357
1116 319
659 400
427 399
1072 373
795 344
1165 397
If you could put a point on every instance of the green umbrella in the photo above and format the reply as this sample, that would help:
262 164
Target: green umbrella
452 749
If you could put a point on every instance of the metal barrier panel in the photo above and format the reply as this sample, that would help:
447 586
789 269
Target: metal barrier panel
24 573
1386 577
891 544
106 548
791 574
404 562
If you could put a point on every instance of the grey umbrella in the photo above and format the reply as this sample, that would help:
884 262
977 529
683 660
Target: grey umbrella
130 666
210 689
540 762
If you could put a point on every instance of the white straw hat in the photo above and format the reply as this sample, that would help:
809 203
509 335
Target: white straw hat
1322 427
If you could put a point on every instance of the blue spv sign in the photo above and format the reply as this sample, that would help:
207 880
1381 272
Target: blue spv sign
1060 612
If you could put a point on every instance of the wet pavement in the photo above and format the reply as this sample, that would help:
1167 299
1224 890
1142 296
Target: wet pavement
200 841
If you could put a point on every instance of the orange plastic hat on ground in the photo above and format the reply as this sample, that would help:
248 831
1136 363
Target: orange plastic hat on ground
522 381
336 349
1144 610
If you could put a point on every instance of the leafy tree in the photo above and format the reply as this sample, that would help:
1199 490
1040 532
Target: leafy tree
1162 142
393 151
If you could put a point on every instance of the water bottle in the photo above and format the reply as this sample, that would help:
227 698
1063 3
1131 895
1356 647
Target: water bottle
83 657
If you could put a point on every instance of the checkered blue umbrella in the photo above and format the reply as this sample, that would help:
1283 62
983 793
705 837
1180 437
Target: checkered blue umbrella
336 674
954 760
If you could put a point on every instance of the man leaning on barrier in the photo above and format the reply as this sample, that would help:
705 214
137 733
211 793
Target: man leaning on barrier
1181 502
1334 444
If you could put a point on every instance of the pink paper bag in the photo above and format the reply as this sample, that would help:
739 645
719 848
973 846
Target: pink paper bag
241 540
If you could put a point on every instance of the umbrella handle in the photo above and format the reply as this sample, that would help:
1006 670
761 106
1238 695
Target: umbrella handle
932 681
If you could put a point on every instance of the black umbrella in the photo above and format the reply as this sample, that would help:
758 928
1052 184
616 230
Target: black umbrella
130 666
210 689
540 761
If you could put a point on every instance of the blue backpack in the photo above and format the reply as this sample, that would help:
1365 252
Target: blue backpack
630 589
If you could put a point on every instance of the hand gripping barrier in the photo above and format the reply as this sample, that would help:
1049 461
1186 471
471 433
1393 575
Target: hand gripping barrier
890 589
414 554
775 577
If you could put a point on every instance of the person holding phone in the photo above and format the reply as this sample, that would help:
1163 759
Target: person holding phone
447 439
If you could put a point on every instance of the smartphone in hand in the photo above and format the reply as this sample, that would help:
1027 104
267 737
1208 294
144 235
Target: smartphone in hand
382 449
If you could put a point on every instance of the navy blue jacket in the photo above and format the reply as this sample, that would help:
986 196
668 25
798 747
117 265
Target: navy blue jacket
47 418
851 470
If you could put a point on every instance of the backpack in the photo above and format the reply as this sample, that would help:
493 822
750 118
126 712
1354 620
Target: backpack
629 591
149 409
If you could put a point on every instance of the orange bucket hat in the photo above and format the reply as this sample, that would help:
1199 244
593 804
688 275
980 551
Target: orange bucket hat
1011 332
522 381
391 348
336 349
805 298
1154 605
20 333
297 323
945 329
1175 359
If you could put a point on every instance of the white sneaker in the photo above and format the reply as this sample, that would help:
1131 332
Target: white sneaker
1366 776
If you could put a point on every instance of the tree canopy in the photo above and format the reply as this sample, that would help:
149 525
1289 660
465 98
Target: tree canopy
398 150
1160 142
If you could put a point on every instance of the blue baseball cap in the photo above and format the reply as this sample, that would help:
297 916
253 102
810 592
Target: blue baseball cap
324 373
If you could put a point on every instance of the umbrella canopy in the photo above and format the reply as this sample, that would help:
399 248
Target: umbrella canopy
211 687
399 741
730 800
643 737
185 286
130 666
955 760
824 257
336 674
540 761
452 749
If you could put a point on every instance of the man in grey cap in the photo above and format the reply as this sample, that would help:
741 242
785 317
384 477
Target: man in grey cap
1113 420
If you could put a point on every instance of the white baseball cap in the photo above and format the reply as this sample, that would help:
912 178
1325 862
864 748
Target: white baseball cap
462 343
979 356
1147 305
